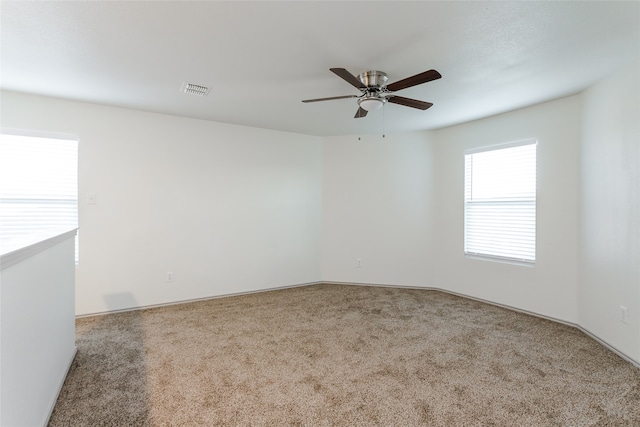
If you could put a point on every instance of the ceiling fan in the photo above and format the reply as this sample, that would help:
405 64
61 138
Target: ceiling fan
376 92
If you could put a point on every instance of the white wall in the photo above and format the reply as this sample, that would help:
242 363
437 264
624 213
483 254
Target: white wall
549 287
610 210
377 207
397 204
226 208
37 328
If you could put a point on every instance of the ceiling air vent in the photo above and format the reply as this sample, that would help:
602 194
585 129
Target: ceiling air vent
194 89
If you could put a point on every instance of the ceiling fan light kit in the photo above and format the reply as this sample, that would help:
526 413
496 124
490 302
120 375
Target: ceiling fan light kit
375 92
371 103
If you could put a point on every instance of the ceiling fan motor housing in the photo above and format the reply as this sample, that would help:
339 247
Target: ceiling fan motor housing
373 79
375 82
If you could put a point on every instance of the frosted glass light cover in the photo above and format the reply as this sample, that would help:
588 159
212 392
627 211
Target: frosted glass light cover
371 104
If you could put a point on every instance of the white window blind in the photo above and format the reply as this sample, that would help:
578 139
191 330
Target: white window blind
38 185
500 202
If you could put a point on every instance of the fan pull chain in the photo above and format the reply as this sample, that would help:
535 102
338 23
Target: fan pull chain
383 108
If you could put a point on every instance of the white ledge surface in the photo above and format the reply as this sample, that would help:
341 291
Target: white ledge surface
17 250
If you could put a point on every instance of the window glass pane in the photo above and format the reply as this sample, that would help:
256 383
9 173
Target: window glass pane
38 185
504 173
500 203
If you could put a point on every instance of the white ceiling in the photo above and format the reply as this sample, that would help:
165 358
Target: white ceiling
262 58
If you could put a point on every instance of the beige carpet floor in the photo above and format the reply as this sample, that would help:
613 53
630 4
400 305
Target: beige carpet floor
331 355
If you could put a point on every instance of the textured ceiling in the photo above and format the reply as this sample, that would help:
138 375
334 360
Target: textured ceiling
262 58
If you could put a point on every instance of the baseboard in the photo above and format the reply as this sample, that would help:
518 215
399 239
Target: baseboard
609 346
52 404
508 307
427 288
187 301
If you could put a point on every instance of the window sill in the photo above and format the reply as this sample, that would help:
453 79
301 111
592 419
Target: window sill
502 260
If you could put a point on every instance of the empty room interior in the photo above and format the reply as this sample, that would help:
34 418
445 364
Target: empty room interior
250 252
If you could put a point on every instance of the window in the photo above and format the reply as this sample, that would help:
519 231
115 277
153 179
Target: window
38 185
500 202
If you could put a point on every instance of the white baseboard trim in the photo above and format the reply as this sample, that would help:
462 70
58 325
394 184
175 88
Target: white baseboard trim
607 345
54 399
187 301
590 334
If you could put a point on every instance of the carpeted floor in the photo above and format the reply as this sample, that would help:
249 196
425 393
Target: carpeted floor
331 355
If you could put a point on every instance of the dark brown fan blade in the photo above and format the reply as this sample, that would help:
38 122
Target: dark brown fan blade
329 99
348 77
418 79
408 102
360 113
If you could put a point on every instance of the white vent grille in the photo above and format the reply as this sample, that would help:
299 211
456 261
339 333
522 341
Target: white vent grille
195 89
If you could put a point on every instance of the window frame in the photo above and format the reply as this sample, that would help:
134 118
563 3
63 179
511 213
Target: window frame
526 202
62 201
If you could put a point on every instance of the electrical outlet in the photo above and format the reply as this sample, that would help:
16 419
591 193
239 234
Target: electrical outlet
359 263
169 276
624 314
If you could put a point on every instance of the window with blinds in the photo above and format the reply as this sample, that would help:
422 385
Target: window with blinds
500 202
38 186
